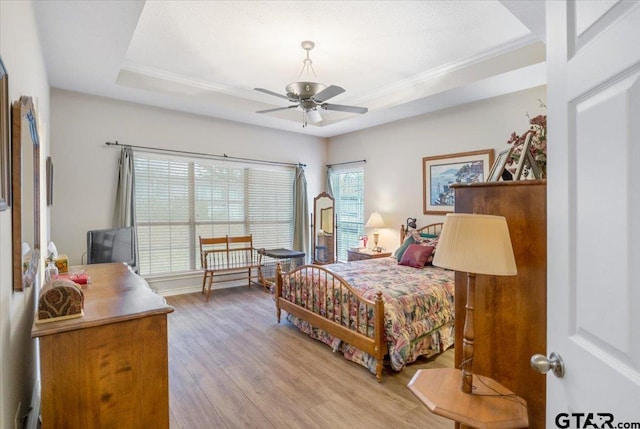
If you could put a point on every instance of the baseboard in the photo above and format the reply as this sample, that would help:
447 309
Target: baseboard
177 291
198 288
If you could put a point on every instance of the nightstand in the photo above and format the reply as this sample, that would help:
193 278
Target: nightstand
490 406
356 255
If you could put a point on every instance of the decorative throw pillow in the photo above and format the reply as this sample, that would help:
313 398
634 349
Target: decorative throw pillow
400 251
416 255
430 243
433 242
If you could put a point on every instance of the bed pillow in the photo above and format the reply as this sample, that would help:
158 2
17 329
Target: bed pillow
425 235
400 251
431 242
416 255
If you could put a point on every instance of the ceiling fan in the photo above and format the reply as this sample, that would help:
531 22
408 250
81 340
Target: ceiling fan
311 97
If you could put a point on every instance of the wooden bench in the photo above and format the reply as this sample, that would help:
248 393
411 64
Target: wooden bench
225 256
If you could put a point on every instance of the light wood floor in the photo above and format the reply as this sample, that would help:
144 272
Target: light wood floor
232 366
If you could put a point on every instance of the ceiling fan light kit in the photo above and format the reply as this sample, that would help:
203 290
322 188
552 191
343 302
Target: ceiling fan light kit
310 96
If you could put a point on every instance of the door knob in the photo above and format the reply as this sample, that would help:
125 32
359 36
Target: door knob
541 364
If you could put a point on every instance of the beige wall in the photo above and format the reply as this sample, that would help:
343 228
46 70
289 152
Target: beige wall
22 55
86 169
394 152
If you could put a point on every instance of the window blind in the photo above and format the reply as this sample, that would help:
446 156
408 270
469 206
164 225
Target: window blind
178 199
348 191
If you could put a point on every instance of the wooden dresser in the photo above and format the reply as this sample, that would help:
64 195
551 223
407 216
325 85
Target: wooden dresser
108 369
510 312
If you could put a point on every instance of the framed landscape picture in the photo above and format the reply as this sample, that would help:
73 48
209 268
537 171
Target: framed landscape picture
440 172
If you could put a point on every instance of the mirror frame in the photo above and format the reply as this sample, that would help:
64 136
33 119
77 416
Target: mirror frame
316 221
20 109
5 151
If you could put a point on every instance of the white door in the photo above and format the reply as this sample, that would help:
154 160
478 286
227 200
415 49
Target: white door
593 293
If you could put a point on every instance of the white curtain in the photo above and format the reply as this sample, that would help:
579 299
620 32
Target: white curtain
124 214
328 184
300 213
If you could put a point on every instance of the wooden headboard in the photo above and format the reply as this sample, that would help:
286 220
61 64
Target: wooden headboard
434 228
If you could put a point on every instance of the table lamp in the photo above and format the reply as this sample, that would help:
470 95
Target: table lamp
475 244
375 221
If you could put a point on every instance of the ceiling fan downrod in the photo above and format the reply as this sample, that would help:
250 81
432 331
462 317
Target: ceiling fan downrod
307 64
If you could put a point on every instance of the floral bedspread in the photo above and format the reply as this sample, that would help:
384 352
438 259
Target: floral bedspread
419 309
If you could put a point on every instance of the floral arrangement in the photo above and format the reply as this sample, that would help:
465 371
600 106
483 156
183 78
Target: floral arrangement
538 145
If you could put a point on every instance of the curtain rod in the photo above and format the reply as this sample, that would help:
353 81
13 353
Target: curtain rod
208 155
347 162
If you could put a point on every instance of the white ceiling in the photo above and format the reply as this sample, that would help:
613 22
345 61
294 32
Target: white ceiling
398 58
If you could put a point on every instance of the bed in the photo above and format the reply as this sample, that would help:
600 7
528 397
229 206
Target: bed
374 311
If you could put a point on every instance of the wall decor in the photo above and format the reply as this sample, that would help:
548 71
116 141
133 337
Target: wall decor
440 172
5 151
517 162
49 172
499 169
527 167
25 193
533 144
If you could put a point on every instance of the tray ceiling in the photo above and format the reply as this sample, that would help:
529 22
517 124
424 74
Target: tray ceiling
398 58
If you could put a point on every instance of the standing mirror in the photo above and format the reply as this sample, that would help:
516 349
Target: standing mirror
25 187
323 229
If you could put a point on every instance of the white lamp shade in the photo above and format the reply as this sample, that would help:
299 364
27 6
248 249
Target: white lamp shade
475 243
375 221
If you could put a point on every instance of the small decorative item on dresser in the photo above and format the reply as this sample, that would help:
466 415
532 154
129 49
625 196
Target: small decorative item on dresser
530 149
50 272
60 299
62 262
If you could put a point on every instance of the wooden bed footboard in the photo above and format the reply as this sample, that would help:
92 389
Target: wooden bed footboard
326 301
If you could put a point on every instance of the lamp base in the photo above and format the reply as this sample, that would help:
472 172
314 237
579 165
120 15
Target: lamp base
376 236
469 334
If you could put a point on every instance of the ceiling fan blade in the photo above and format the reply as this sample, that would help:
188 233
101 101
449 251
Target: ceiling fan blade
266 91
327 93
341 108
314 116
277 108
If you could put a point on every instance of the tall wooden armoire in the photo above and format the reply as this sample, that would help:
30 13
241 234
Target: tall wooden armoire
510 312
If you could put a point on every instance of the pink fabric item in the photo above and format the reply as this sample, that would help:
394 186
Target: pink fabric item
416 256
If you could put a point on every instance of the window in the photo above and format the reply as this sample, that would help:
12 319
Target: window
178 199
348 191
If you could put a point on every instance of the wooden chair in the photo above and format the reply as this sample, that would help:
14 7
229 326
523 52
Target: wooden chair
222 256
